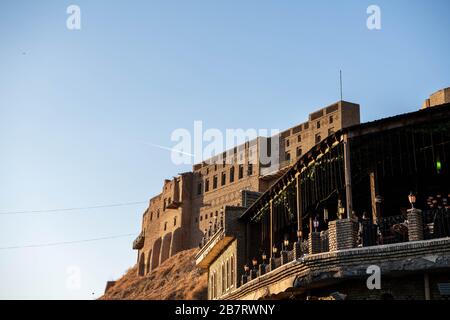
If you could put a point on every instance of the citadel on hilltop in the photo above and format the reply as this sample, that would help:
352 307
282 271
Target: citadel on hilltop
191 205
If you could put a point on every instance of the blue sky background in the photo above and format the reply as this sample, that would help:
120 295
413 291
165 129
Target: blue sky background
78 109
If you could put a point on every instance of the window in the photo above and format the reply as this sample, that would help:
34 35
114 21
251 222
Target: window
210 215
318 124
250 169
174 221
199 188
206 185
299 152
224 178
287 156
299 138
287 142
157 214
318 138
223 278
164 205
151 216
196 219
215 167
214 182
331 119
231 174
226 274
215 285
201 218
217 213
241 171
165 226
211 286
232 271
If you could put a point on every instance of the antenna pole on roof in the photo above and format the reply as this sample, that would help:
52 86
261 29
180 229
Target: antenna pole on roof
340 81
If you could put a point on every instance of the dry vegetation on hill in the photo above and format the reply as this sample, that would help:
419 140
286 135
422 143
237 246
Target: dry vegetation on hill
176 279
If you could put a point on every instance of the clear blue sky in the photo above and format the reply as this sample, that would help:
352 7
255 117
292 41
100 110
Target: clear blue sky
78 109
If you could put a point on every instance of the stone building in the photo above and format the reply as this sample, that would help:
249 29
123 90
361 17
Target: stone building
438 98
347 206
191 206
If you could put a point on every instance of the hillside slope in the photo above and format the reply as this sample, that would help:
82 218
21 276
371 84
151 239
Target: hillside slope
176 279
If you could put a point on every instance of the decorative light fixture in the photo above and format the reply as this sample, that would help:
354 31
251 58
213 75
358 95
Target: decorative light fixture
316 223
274 250
254 262
412 199
264 257
341 209
246 268
299 235
286 243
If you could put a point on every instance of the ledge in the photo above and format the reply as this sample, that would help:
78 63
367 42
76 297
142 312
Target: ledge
319 269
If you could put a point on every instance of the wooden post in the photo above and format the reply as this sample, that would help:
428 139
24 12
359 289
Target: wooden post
299 205
348 176
271 227
376 209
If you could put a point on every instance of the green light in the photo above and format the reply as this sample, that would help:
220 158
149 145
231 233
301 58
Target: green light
438 165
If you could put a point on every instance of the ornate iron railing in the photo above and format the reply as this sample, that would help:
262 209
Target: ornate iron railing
393 229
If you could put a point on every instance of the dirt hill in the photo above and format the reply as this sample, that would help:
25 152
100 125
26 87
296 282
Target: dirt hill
176 279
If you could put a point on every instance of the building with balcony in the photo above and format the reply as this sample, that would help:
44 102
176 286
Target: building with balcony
373 197
192 203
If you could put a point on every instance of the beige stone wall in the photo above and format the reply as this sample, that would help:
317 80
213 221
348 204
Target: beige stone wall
177 218
321 124
440 97
222 273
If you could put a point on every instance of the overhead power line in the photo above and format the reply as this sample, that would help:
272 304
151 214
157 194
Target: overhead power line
53 244
123 204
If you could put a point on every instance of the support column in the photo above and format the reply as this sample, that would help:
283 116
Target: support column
341 234
375 198
348 177
415 225
271 226
298 245
314 243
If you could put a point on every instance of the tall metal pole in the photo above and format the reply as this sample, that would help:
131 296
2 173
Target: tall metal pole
340 81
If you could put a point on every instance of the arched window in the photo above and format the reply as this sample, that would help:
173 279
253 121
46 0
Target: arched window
211 287
151 216
232 271
215 285
226 274
229 274
174 221
223 278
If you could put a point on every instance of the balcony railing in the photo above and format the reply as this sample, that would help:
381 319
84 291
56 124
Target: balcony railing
389 230
436 223
211 233
173 204
138 243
